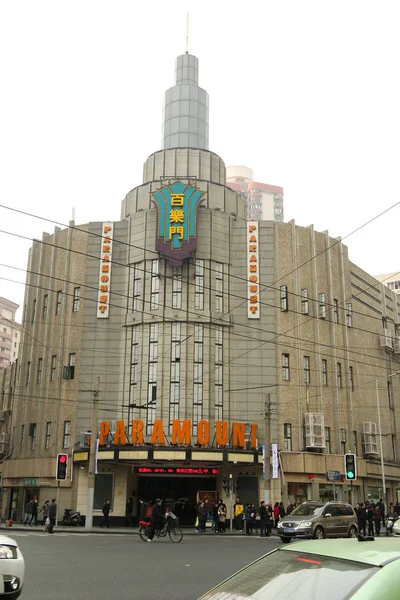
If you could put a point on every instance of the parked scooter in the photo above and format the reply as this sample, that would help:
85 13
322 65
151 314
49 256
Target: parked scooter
391 519
71 518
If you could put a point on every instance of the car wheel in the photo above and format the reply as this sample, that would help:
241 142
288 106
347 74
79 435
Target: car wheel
352 532
286 540
319 533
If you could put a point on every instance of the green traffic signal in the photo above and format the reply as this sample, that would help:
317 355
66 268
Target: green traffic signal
350 467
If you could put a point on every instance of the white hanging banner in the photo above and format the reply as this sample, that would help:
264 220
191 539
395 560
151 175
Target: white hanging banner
275 461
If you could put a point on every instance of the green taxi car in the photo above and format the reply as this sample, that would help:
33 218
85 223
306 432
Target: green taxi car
341 569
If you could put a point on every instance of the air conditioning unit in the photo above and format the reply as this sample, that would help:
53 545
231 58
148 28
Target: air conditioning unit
370 447
315 430
396 345
369 428
84 439
386 340
2 415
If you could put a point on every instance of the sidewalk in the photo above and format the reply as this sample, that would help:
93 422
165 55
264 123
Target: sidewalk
114 530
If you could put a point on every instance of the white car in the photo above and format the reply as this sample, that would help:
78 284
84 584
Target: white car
396 527
12 569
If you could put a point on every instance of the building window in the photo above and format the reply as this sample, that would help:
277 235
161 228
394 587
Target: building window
304 301
219 288
47 436
58 302
343 440
390 395
76 298
351 377
71 365
199 284
335 311
349 315
53 368
219 374
67 434
134 363
152 378
284 298
339 374
137 286
39 370
175 372
322 306
32 434
307 370
45 305
197 376
328 440
22 437
155 284
287 434
28 372
33 311
177 287
324 371
285 367
355 444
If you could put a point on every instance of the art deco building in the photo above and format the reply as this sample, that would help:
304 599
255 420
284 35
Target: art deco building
211 336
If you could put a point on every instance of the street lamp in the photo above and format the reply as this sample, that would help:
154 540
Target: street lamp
380 433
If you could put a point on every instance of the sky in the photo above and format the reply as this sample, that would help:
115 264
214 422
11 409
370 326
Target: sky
304 93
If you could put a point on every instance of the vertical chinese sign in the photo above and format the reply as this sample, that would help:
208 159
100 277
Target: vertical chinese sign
103 299
253 266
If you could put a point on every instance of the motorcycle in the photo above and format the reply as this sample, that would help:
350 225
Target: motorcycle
71 518
390 521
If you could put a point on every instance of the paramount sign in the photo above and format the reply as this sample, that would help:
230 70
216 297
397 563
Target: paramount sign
180 433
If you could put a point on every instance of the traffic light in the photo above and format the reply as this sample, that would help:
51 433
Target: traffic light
236 485
62 467
350 467
225 484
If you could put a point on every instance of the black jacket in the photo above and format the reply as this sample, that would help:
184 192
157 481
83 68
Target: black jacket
106 509
157 515
52 510
263 514
142 511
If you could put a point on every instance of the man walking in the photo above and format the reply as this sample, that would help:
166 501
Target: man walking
35 507
28 513
128 512
270 517
157 519
106 511
263 519
52 516
45 511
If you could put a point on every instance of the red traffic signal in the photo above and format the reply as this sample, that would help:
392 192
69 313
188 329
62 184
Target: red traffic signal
62 466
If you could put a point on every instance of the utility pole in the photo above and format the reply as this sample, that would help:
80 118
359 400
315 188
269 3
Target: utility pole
92 457
267 449
231 500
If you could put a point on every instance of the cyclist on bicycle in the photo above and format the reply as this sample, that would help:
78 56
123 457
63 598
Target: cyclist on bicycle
157 519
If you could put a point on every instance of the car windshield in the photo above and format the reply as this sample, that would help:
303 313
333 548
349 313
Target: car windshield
308 510
283 575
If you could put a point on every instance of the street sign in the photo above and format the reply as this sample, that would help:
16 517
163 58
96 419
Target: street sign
275 461
333 475
29 481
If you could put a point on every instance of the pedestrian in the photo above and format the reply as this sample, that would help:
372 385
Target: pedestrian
377 519
276 514
202 517
370 518
282 512
35 506
52 516
248 516
361 513
289 509
222 517
128 512
157 519
215 517
391 518
28 513
106 511
270 518
381 510
45 511
238 514
263 519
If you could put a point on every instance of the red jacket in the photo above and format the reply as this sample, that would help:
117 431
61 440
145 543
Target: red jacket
276 512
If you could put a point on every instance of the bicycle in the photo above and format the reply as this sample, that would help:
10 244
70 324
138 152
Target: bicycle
170 527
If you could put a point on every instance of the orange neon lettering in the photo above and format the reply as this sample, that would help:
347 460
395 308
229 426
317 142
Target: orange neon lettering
253 309
253 258
106 248
119 436
252 247
253 435
106 258
203 433
181 432
253 238
253 288
238 431
103 299
107 228
102 309
105 268
221 433
137 431
252 228
107 239
104 278
104 288
253 299
104 431
158 432
253 268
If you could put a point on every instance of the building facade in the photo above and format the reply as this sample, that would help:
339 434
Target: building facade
10 333
194 337
392 280
263 202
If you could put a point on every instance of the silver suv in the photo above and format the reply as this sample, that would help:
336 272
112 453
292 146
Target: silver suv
319 520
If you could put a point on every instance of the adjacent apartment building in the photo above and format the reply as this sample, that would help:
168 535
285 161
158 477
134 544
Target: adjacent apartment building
10 332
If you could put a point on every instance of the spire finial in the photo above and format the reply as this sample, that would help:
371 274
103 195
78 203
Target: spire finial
187 33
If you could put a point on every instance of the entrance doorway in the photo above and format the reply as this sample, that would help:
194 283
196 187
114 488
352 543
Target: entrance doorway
181 490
